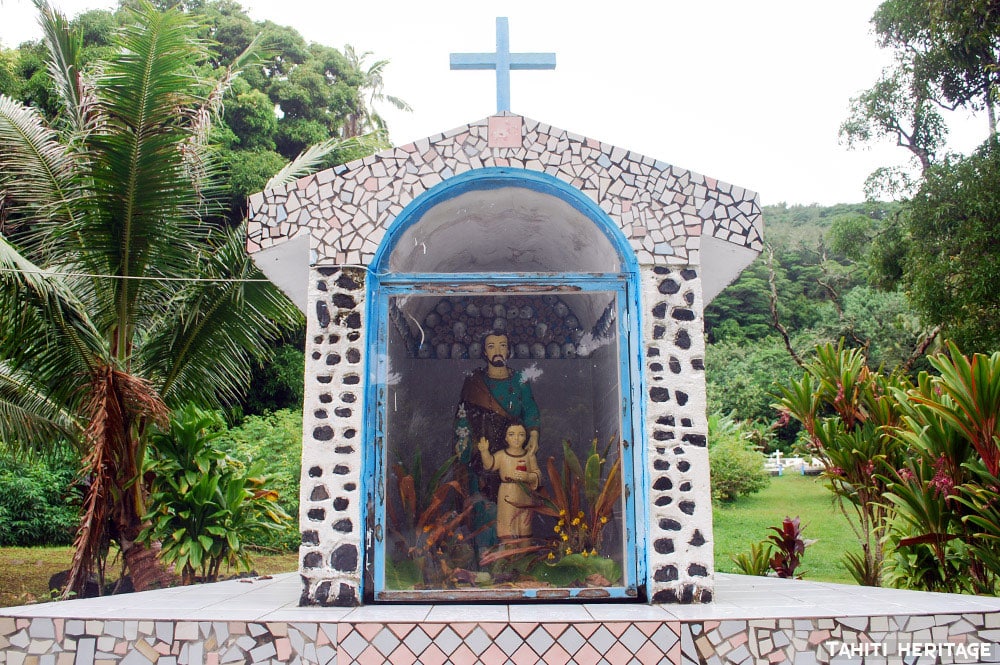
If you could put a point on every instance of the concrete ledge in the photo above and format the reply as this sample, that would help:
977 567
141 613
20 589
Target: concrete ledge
754 620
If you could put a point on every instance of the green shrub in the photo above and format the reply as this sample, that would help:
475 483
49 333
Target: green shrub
273 440
737 467
38 504
205 507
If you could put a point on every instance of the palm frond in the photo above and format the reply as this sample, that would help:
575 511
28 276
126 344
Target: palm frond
312 157
30 419
143 217
36 170
64 45
203 347
39 313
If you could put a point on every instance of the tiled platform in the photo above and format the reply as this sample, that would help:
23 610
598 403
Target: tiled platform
754 620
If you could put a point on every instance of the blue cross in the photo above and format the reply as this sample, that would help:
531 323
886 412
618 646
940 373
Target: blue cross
503 61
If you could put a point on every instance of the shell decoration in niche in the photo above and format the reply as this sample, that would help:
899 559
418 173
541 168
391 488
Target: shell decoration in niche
539 327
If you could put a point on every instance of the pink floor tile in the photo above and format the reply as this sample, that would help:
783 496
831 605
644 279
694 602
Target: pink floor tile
493 654
283 647
463 655
618 654
649 654
432 655
524 629
368 630
556 655
616 627
493 629
432 629
586 629
463 629
648 627
525 656
587 655
370 656
554 629
402 656
401 630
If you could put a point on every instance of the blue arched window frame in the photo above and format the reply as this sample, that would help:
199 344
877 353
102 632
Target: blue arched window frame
383 283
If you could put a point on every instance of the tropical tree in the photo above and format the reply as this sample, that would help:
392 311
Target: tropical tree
366 119
951 269
117 299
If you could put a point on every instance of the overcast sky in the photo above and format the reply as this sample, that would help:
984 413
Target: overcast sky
751 92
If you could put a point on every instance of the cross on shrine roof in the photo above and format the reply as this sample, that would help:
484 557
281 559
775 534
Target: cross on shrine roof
503 61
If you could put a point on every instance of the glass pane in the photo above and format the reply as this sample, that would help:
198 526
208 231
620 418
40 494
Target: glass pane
503 430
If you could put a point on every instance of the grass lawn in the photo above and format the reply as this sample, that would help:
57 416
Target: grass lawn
25 571
746 521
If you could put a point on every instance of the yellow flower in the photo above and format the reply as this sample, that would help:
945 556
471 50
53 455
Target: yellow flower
569 551
576 521
460 537
604 519
557 528
551 556
593 552
562 512
580 514
427 527
584 527
584 553
561 522
565 537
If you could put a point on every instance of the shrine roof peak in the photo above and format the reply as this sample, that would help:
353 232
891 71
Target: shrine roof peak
664 211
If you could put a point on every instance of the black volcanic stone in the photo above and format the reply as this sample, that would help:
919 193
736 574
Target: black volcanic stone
695 439
343 301
663 546
345 558
666 574
682 314
668 287
322 314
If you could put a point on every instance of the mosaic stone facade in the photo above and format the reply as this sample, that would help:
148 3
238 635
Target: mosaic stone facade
330 515
663 211
71 641
680 521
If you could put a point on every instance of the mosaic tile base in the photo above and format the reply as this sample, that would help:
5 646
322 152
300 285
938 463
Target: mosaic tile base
756 620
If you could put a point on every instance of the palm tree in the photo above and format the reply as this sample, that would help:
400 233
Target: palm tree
117 298
366 118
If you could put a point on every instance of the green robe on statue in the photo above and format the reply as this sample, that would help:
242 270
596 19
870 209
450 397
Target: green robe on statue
486 407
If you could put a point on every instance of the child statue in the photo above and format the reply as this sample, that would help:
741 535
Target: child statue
516 465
